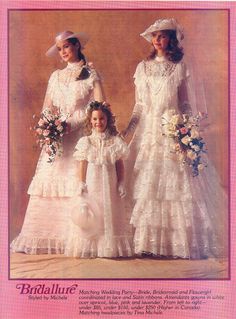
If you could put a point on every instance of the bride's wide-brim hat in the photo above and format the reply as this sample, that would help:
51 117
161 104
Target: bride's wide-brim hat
163 24
65 35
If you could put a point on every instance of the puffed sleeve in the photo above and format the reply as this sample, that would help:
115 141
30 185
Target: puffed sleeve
82 149
120 150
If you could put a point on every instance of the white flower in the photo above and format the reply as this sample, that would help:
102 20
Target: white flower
196 148
191 155
185 140
176 119
194 133
200 167
60 128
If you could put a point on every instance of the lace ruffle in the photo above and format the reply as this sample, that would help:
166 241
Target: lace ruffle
97 247
56 187
36 245
109 154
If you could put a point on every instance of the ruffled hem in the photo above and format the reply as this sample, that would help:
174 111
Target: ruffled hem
121 246
37 246
183 229
61 187
163 242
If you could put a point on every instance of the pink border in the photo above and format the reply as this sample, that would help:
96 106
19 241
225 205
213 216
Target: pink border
14 306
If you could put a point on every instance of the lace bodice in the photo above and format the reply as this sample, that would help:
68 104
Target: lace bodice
162 78
67 92
101 148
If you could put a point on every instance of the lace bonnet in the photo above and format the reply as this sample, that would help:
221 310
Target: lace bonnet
164 24
62 36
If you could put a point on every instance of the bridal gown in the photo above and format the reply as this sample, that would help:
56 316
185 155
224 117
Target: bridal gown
45 226
173 213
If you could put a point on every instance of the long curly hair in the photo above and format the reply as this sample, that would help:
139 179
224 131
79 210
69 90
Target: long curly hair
174 52
105 108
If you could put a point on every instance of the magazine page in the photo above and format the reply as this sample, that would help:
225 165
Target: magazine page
116 188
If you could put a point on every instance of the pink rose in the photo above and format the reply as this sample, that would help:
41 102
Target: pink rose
183 130
47 140
46 132
57 122
39 131
41 122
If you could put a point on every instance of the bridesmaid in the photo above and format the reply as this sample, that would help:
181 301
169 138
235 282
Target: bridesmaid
174 214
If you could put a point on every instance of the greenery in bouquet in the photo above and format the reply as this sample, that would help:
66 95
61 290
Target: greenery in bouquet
189 146
50 128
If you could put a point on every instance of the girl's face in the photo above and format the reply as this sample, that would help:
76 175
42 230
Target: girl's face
68 51
99 121
160 41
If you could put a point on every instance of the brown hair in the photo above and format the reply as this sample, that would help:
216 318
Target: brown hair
80 54
105 108
174 53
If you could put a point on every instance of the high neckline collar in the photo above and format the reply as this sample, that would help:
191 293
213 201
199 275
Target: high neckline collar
74 65
160 58
100 135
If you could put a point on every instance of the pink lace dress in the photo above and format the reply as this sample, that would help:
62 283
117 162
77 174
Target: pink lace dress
46 220
107 233
174 214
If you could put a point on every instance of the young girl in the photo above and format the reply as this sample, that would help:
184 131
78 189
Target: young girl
98 224
69 90
174 214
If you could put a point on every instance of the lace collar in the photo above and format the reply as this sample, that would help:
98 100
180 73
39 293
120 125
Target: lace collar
74 65
160 58
100 136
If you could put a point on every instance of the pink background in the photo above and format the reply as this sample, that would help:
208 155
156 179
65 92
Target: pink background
15 306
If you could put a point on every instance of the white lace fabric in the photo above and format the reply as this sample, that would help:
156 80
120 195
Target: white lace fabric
46 221
174 214
111 236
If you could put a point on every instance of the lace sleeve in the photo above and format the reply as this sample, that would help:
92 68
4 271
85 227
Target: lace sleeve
140 98
121 150
81 149
184 90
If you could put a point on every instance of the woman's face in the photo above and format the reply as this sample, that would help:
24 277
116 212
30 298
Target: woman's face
99 121
160 41
68 51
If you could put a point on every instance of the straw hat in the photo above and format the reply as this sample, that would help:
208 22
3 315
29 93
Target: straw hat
163 24
62 36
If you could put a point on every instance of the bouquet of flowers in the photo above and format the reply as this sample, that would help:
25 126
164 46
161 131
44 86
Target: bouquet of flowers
49 130
189 145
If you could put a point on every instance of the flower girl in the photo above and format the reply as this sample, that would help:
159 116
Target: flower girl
98 227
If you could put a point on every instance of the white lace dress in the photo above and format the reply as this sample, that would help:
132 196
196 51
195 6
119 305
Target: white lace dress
46 220
107 234
174 213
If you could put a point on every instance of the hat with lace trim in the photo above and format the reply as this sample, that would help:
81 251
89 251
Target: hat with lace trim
65 35
164 24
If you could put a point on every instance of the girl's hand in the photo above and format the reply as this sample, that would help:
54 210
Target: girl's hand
82 188
121 190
